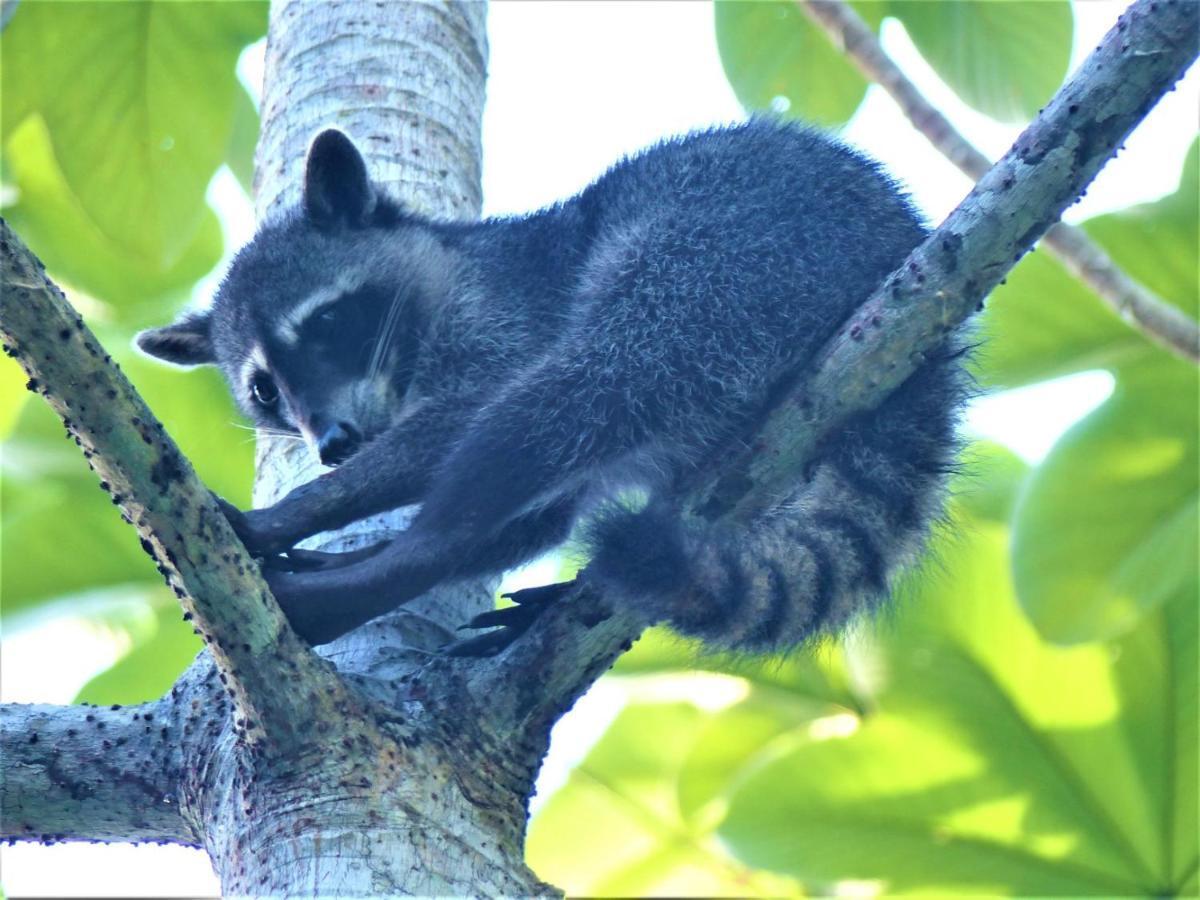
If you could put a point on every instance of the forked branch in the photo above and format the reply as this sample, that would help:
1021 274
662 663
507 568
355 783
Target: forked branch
159 494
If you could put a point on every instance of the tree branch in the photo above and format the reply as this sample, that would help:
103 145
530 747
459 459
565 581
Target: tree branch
154 484
83 773
906 319
1159 320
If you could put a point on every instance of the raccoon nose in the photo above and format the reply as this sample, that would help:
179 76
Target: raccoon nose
338 443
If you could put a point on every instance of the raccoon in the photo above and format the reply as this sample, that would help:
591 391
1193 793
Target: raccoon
517 374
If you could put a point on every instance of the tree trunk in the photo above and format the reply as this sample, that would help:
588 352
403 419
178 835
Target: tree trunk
406 81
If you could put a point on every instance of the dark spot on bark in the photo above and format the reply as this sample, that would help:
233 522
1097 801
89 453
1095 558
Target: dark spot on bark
167 470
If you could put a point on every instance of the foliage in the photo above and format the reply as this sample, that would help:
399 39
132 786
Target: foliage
1005 59
946 748
1023 721
115 119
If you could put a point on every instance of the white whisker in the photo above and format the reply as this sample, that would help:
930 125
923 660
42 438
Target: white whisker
387 331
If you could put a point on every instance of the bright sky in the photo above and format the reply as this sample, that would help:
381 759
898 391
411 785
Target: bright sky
572 87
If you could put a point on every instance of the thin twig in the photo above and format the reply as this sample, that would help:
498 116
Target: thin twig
1160 321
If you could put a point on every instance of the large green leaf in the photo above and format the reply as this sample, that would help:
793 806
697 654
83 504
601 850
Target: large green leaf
995 763
50 218
1005 59
819 673
615 828
12 395
138 101
737 739
1108 526
775 59
1043 323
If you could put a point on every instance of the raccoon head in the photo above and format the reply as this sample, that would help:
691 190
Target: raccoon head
319 321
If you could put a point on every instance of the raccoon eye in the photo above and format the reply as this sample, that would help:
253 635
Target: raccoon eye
262 386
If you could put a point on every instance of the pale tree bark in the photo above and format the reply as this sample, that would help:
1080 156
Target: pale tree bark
401 771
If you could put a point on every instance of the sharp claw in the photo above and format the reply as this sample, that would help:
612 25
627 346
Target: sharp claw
541 595
482 645
509 623
492 618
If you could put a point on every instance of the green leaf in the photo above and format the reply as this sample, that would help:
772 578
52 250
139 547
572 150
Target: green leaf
736 739
1156 679
989 480
615 830
775 59
158 655
1005 59
12 395
59 534
1043 323
995 762
1107 527
51 220
138 100
819 673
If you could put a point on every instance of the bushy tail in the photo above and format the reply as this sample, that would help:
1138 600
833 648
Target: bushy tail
827 553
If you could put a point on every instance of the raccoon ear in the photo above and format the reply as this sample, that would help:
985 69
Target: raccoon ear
337 189
187 342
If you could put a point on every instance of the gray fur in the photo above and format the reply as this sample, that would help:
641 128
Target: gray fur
531 366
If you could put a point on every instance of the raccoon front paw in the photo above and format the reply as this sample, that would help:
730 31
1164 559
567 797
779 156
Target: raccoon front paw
258 529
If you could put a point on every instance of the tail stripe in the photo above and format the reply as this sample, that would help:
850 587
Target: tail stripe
732 596
896 498
867 553
779 603
825 590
